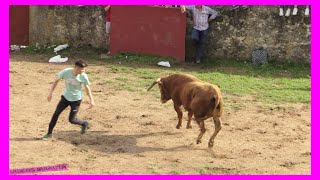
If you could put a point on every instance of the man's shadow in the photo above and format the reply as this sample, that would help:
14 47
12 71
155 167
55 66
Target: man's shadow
115 144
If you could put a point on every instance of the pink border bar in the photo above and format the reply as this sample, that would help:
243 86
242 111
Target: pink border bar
4 64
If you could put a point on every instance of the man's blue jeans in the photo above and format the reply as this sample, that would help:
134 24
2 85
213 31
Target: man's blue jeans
199 38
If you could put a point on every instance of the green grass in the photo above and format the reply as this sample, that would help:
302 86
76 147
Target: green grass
176 172
269 83
203 171
153 169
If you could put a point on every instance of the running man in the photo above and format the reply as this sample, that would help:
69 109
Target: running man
72 96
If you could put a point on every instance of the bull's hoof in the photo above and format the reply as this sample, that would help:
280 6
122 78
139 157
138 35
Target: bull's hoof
178 126
189 126
199 141
210 144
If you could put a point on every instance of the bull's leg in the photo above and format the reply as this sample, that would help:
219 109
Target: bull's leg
190 114
179 112
217 127
202 130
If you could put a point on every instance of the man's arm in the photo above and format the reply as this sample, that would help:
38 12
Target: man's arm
54 85
184 8
106 8
213 13
88 90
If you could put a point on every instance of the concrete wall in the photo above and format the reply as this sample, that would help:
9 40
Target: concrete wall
234 34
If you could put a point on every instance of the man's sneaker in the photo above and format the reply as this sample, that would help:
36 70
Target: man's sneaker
198 61
288 12
84 128
307 11
47 137
295 10
281 12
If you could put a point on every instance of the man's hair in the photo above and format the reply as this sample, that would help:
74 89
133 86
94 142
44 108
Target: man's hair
81 64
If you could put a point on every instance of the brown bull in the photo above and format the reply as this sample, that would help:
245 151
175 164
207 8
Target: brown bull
201 99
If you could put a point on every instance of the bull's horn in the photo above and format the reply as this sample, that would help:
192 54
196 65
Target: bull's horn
154 83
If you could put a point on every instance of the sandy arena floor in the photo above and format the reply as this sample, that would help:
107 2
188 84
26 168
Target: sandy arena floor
133 133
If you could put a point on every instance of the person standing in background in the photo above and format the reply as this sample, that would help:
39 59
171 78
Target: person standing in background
202 15
107 9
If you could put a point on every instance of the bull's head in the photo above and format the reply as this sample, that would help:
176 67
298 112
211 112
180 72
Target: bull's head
165 96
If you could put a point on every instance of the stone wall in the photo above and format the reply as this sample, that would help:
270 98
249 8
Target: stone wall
233 34
239 30
76 25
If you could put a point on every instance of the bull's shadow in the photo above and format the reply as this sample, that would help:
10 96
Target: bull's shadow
115 144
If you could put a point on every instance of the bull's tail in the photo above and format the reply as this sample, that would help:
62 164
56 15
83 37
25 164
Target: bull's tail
154 83
214 102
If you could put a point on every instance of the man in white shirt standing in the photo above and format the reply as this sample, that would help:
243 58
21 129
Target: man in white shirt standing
200 28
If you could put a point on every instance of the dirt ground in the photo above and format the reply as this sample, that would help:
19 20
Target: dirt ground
133 133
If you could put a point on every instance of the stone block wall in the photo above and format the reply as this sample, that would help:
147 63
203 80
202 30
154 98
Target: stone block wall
233 34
